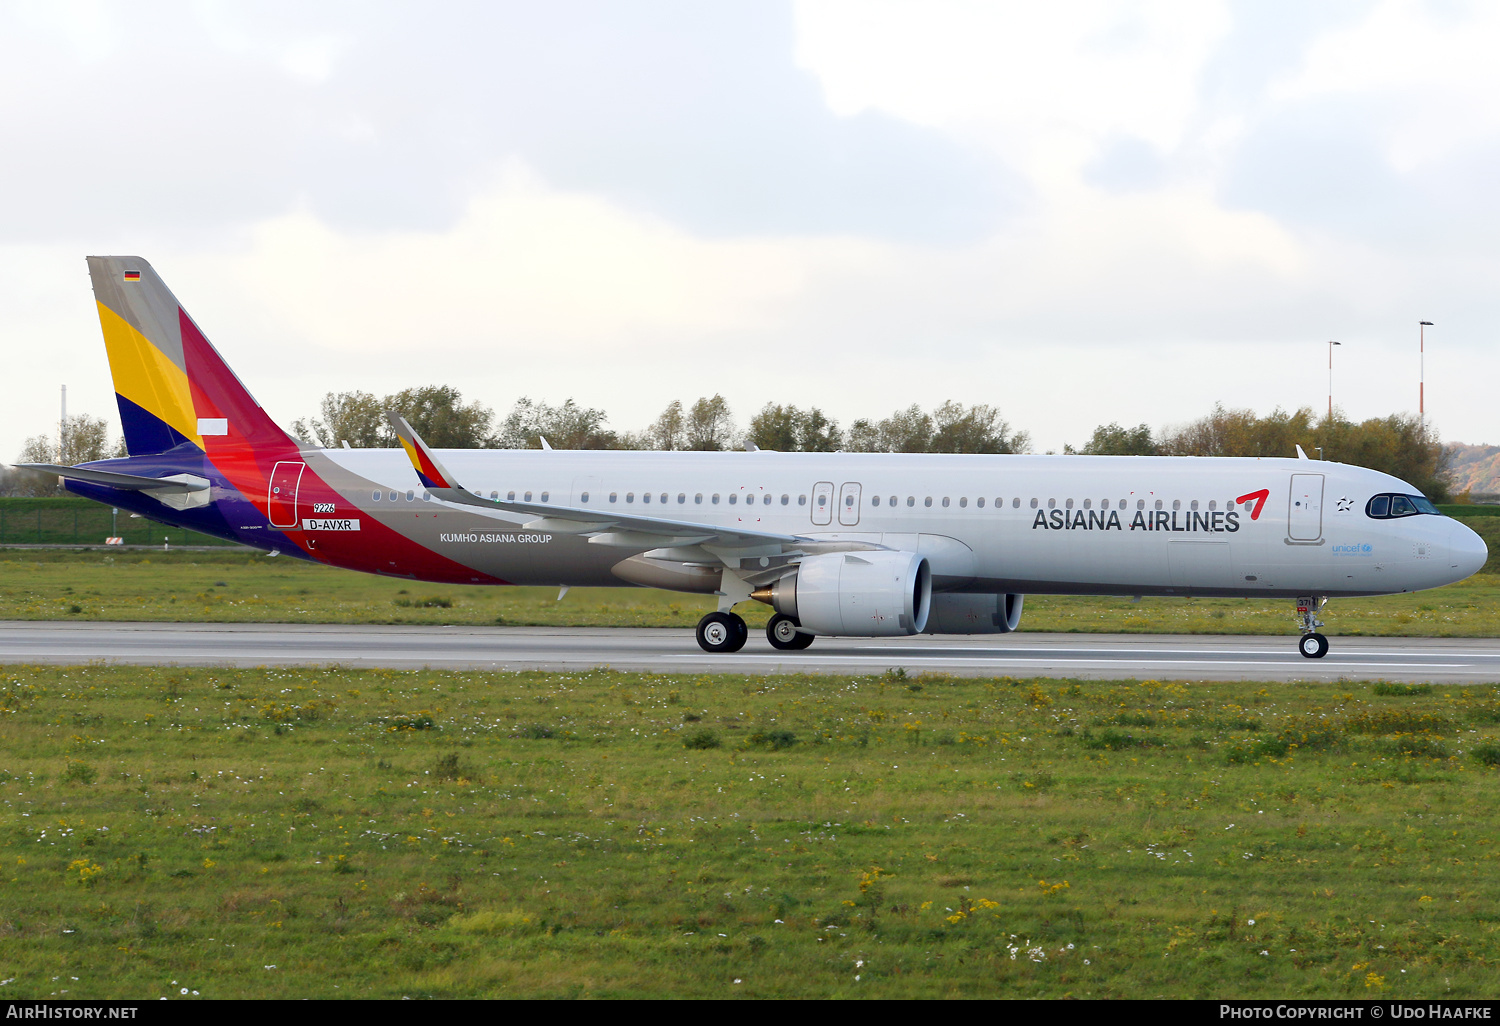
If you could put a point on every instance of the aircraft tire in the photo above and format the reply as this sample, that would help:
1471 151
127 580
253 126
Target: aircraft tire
782 633
1313 646
722 632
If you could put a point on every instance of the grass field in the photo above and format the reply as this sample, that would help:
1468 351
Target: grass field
383 834
234 586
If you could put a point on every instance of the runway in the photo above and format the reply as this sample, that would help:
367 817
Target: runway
1093 656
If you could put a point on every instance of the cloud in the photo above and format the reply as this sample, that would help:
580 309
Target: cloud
381 116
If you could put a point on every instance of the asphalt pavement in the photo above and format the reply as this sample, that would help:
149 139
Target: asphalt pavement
1092 656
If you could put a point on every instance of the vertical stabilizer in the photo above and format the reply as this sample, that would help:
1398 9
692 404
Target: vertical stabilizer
171 385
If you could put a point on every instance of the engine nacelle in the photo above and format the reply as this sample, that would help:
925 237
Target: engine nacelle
974 614
868 594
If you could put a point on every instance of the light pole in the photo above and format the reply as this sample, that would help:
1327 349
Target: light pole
1422 327
1331 344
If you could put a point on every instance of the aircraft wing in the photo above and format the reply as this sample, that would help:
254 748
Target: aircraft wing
607 527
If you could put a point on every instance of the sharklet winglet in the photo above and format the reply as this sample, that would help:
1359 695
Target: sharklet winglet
430 472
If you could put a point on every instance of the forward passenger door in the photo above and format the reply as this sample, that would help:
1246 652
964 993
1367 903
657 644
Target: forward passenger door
822 503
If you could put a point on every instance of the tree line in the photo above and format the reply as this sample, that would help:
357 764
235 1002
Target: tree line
445 421
1398 444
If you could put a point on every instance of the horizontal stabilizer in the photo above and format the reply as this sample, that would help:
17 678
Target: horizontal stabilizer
130 482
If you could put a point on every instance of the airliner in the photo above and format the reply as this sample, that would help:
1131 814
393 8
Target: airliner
837 544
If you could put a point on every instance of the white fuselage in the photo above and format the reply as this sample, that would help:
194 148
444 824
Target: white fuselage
1024 524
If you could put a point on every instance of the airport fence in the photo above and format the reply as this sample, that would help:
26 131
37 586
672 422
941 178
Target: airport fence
71 521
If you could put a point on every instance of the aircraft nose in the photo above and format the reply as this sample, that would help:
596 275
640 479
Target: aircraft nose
1467 551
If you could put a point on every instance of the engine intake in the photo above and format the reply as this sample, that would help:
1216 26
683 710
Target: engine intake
869 594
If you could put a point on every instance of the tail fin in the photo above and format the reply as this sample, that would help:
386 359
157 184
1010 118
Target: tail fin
172 387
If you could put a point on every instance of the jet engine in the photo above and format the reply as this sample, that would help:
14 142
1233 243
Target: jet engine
868 594
957 613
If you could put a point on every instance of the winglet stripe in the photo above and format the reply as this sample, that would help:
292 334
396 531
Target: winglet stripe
430 472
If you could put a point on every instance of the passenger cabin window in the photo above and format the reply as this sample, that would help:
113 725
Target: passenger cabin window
715 499
630 496
663 496
1015 503
682 498
927 501
802 500
528 496
1068 504
1176 504
585 496
733 498
945 502
1193 504
874 500
645 497
698 498
376 497
544 496
980 502
767 500
614 496
963 501
1033 503
1158 504
911 500
511 497
786 500
410 495
394 496
495 496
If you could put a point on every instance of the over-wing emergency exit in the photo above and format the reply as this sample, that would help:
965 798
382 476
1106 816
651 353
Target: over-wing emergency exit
854 544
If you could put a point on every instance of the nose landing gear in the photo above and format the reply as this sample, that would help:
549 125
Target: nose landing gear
1312 644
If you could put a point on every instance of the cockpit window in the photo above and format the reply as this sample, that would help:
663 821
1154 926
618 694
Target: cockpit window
1384 507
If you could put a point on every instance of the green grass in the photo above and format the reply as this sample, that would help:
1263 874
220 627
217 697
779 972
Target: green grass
266 833
69 520
235 586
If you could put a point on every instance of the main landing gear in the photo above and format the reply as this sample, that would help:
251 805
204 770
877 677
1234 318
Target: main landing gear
782 633
722 632
1312 644
727 632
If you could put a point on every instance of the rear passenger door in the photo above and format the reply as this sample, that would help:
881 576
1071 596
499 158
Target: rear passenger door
849 504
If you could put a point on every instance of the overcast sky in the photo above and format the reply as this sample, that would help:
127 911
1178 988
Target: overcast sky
1078 212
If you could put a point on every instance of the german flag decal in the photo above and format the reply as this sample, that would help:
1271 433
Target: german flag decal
132 275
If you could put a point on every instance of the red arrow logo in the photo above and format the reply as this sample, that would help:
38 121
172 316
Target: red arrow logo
1260 498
